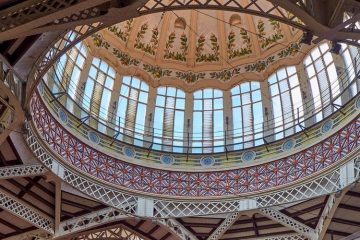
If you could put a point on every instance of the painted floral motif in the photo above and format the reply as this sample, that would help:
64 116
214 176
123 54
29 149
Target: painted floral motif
122 34
99 41
190 77
156 71
125 58
266 41
147 47
246 41
292 50
179 56
210 57
225 74
259 66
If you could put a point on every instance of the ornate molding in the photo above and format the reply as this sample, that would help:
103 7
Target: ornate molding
263 177
326 184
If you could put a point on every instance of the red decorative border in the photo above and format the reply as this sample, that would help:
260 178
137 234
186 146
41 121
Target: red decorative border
194 184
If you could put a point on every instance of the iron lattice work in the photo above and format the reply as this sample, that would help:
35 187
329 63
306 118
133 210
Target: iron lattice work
118 232
29 214
22 171
268 10
289 222
326 184
32 13
87 221
224 226
299 166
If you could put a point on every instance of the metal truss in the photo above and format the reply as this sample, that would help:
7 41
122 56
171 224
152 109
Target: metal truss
119 232
255 7
26 212
91 220
176 228
22 171
32 235
283 237
33 17
224 226
288 222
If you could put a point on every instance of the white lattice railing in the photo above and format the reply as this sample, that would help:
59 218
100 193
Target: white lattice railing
22 171
26 212
325 184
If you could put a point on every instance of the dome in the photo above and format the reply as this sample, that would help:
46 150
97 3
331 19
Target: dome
190 119
126 82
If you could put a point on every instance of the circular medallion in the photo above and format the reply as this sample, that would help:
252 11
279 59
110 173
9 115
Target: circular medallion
63 115
327 126
207 161
288 144
129 152
248 155
93 137
167 159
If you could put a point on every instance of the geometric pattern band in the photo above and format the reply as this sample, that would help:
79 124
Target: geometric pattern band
194 184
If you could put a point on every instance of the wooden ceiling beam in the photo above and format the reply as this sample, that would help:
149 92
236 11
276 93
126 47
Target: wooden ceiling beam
166 236
349 207
256 230
154 229
339 233
347 222
248 229
353 194
260 235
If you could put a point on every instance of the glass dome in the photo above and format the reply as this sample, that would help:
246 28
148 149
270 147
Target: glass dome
111 85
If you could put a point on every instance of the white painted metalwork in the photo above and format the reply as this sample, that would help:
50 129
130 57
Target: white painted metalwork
224 226
90 220
288 222
282 237
22 171
127 202
116 233
26 212
176 228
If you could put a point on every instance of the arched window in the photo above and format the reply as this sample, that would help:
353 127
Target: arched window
286 100
247 115
98 89
208 123
323 78
169 118
68 70
350 56
131 109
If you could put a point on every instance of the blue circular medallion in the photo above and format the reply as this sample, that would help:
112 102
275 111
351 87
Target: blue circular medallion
63 115
93 137
327 126
167 159
288 144
207 161
248 155
129 152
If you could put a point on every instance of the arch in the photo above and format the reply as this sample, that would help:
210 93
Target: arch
208 121
169 119
323 80
286 101
247 112
131 109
